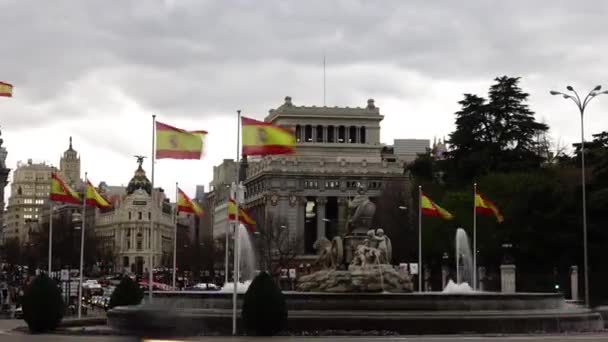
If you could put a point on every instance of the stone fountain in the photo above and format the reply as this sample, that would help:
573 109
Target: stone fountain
356 290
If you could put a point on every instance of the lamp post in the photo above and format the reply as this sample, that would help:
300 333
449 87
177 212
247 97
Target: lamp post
581 107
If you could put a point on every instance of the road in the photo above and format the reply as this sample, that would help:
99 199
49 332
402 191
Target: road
553 338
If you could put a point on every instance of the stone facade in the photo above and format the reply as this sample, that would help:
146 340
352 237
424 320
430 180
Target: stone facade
127 230
69 166
338 149
4 172
29 196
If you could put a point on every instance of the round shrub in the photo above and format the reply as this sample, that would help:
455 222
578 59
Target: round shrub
42 305
126 293
264 308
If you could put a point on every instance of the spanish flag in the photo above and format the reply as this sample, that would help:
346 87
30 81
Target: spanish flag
176 143
93 197
243 216
186 205
428 207
263 138
483 205
6 89
61 192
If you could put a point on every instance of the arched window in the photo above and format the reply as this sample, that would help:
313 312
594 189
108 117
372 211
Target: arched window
319 133
308 133
298 133
341 134
331 134
352 134
362 132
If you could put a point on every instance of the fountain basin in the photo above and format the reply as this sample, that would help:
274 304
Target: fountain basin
189 313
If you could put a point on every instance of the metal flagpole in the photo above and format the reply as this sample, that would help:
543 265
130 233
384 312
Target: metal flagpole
420 238
236 225
151 264
175 234
50 240
82 229
474 237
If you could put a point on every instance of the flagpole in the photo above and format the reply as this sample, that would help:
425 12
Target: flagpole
82 229
420 238
151 265
175 234
236 225
50 240
474 237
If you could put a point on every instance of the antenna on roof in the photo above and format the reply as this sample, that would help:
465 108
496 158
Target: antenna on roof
324 87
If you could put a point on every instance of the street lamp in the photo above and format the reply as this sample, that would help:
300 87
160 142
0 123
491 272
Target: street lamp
581 107
402 207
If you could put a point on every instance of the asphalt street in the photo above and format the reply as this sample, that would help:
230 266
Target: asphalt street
555 338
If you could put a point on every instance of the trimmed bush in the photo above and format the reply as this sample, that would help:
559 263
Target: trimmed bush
127 292
264 309
42 305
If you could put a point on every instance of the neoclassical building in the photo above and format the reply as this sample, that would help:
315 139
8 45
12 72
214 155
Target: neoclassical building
338 149
125 229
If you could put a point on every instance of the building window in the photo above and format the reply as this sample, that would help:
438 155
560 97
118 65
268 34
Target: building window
352 134
129 215
331 134
332 184
149 216
298 133
27 201
319 133
308 133
139 215
362 138
39 201
311 184
341 134
125 261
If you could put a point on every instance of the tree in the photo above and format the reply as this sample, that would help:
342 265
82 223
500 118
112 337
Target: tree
498 134
11 251
42 305
264 307
277 247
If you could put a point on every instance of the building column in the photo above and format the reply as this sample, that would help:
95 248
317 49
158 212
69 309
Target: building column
301 223
321 201
342 216
313 133
574 282
507 278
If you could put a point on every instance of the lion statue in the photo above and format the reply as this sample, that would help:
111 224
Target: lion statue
325 257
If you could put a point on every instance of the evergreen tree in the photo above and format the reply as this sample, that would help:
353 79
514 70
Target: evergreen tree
495 135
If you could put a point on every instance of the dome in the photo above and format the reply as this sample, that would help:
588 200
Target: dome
139 181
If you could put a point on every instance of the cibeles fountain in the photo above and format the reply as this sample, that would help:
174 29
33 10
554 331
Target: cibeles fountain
357 289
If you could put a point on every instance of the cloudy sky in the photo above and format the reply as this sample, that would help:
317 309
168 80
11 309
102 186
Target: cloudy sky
98 70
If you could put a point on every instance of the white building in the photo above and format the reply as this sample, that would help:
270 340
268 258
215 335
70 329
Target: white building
407 150
126 228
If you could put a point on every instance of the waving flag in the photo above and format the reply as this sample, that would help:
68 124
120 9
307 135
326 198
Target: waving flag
485 206
186 205
61 192
263 138
243 216
176 143
93 197
6 89
432 209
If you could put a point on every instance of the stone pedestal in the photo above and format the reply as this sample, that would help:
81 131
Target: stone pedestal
482 278
574 281
507 278
427 279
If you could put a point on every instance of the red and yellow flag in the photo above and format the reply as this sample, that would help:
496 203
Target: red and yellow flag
483 205
428 207
186 205
176 143
6 89
61 192
93 197
243 216
263 138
